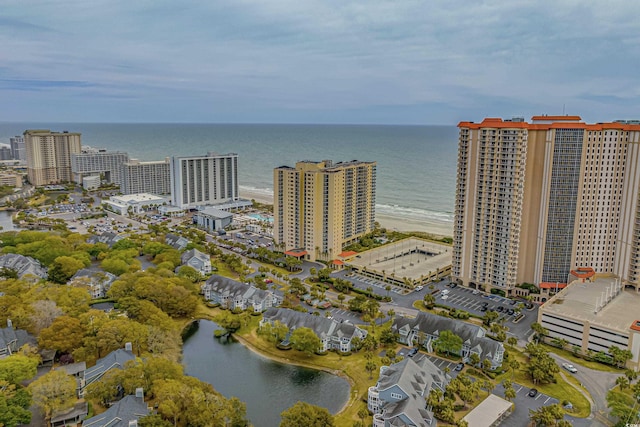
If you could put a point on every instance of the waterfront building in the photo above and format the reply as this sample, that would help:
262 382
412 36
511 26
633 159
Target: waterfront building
124 413
542 202
199 261
18 151
98 162
6 153
49 155
145 177
204 180
593 316
320 207
235 295
399 396
334 335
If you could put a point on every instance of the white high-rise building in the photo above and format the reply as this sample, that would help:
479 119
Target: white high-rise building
98 161
18 151
204 180
145 177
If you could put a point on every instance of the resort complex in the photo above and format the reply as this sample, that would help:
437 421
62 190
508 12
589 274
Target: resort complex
542 202
320 207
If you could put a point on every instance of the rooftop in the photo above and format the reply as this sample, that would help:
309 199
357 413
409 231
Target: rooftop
487 412
579 300
409 258
136 198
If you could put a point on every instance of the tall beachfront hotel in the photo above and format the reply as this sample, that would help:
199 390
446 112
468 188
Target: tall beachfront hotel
546 202
49 155
320 207
204 180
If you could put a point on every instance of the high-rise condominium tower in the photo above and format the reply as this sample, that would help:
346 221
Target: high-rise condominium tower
320 207
204 180
540 202
145 177
49 155
17 148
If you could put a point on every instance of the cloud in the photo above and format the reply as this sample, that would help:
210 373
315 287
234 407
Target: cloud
286 60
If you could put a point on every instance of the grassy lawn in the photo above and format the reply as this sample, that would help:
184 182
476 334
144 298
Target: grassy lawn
350 367
561 390
597 366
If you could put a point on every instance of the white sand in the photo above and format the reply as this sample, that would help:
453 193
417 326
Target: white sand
386 221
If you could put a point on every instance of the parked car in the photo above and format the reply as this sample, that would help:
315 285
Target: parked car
453 285
483 308
510 311
419 288
500 309
413 352
569 367
459 366
533 392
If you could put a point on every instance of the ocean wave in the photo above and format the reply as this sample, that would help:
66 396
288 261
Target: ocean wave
414 213
382 209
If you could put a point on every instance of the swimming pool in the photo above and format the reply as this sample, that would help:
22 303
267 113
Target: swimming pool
261 217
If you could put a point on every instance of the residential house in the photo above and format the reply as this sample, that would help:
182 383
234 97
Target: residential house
76 370
426 327
201 262
97 282
398 398
114 360
235 295
23 265
124 413
70 417
334 335
107 238
175 241
12 339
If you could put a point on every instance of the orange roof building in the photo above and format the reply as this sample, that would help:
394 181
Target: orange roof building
538 199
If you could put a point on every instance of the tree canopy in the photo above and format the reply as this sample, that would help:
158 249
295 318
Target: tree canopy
305 414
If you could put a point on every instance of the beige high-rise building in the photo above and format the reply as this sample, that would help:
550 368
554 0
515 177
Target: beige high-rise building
49 155
320 207
546 202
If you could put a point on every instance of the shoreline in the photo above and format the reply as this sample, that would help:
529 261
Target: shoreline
438 229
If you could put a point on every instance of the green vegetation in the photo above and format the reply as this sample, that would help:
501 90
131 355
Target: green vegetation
305 414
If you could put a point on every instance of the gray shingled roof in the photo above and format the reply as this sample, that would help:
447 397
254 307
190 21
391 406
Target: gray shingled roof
175 241
416 377
105 277
107 238
115 359
129 408
23 265
322 326
14 338
194 253
472 335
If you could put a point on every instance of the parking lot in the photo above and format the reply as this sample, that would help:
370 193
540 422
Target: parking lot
379 286
523 402
478 303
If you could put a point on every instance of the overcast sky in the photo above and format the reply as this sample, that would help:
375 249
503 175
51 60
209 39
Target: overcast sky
297 61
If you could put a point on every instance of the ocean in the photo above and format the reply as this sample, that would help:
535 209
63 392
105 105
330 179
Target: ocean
416 165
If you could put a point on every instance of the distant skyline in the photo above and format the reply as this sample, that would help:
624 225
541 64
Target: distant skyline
296 61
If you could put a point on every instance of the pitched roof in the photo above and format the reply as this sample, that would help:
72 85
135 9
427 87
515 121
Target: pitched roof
103 277
107 238
322 326
176 241
115 359
23 265
432 324
416 378
9 336
194 253
229 287
129 408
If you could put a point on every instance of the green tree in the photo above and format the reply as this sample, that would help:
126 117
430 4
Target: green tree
54 391
14 405
489 317
18 368
474 359
448 342
540 331
547 415
305 414
622 382
429 301
305 340
622 406
64 335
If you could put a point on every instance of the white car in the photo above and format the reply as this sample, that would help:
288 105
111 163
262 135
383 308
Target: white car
419 288
445 291
569 368
444 297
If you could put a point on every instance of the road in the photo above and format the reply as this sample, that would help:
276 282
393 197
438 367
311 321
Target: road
597 383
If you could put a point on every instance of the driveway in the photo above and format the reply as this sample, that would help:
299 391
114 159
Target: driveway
597 383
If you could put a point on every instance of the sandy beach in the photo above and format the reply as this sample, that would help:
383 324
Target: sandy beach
390 222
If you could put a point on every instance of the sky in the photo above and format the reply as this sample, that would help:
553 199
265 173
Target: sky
317 61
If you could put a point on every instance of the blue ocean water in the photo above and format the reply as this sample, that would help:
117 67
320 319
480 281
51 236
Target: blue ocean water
416 164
